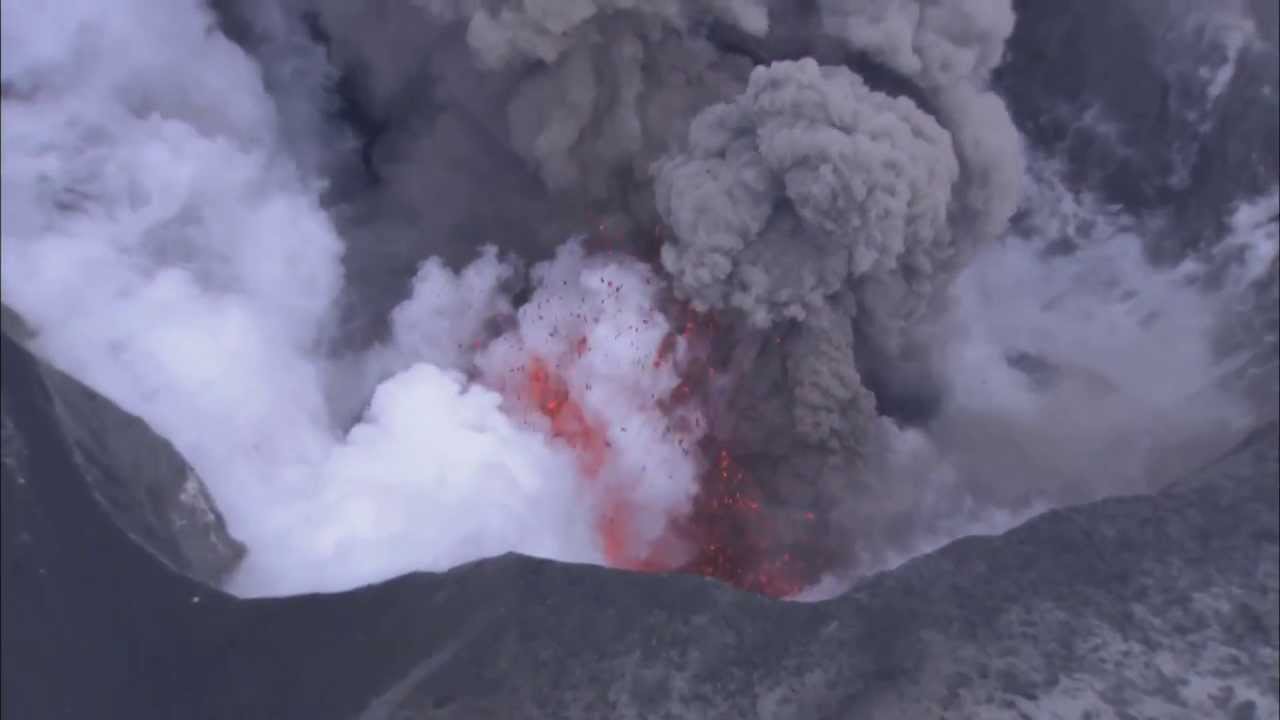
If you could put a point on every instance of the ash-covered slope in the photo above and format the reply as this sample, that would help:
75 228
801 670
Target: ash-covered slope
147 486
1143 607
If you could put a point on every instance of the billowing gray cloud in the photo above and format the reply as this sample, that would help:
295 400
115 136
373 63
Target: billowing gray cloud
804 183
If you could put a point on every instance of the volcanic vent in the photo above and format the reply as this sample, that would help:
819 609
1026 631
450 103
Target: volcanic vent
605 362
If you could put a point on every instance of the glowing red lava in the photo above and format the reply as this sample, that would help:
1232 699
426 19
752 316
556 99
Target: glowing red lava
730 533
735 532
738 536
548 393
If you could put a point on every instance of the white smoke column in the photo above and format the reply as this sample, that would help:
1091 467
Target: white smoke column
446 468
444 321
155 240
435 475
159 240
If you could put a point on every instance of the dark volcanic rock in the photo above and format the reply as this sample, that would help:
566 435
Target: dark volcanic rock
147 486
91 621
1143 607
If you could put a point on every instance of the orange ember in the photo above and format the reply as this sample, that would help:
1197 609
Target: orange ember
731 533
738 536
548 393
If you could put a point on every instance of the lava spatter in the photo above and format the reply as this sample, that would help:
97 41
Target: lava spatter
729 532
738 538
627 379
548 394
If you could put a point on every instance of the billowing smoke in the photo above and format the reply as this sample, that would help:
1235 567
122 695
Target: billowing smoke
949 49
673 285
845 211
806 183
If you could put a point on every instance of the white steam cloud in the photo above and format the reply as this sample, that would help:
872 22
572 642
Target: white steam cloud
169 253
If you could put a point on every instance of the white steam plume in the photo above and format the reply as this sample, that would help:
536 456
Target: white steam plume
168 252
443 468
